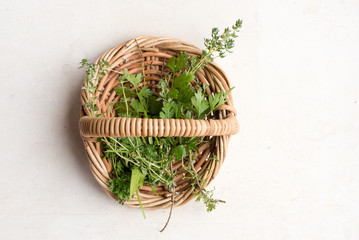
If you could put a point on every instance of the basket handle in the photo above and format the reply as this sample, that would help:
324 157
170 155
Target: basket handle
126 127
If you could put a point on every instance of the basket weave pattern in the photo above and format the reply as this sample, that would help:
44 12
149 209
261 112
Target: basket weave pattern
149 55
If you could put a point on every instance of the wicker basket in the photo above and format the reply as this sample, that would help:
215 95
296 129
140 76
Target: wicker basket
152 53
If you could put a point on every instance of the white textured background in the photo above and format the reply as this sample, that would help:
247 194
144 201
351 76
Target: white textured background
291 173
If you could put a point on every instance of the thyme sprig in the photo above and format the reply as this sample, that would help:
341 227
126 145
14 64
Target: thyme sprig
216 46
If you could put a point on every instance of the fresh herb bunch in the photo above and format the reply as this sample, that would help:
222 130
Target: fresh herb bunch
91 82
150 160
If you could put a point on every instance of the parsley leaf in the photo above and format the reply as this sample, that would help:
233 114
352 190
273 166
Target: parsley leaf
121 187
179 151
172 63
217 100
182 90
179 63
132 78
199 103
137 106
121 109
144 92
173 93
126 89
168 110
182 80
191 144
185 95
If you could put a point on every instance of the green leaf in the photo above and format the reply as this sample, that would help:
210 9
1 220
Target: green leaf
150 152
217 100
172 64
163 85
153 189
145 92
126 89
137 179
136 105
168 110
178 111
173 93
181 89
182 80
185 94
199 103
188 115
121 109
84 63
106 64
179 151
139 201
191 144
154 107
132 78
121 186
179 63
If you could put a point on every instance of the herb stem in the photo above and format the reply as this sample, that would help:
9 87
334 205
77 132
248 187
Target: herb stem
172 199
202 60
139 201
124 95
121 156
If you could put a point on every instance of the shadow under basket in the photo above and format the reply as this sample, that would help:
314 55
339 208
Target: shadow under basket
149 55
